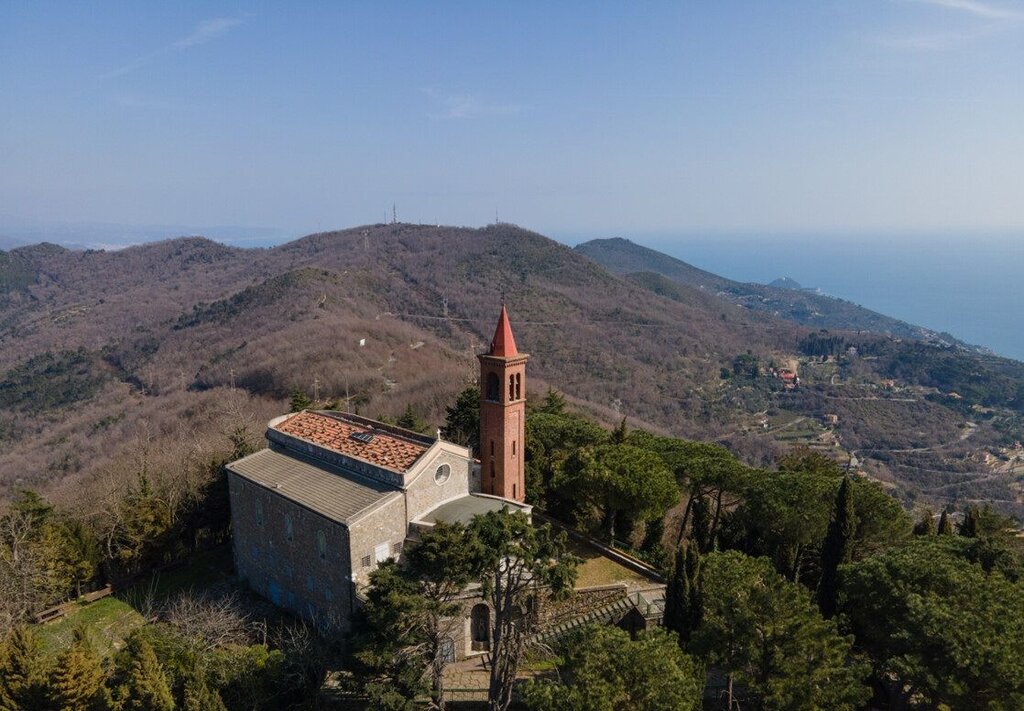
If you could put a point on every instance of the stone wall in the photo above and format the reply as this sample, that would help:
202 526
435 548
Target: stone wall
424 493
581 602
384 526
295 558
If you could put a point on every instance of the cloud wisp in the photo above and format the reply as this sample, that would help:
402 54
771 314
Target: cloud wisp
984 10
467 106
931 41
206 31
975 20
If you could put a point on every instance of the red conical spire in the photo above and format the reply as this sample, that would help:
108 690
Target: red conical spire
504 343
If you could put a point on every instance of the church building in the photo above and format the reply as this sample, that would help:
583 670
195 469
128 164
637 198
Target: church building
334 494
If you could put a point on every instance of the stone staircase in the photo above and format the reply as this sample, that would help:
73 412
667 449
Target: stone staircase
648 604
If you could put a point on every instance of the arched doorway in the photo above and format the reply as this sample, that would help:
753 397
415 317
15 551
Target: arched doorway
480 628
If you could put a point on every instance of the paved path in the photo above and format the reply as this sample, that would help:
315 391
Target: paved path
468 680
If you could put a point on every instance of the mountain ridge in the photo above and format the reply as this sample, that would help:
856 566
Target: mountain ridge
805 307
150 338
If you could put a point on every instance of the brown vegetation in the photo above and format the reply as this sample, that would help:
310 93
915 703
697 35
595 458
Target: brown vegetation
161 350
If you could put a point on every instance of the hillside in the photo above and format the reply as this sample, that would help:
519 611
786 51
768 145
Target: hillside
786 283
783 298
158 352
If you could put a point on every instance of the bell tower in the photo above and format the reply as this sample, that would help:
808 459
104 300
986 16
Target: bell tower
503 415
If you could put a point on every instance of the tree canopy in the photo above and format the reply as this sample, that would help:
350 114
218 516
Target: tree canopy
939 625
462 420
767 633
517 563
602 669
626 484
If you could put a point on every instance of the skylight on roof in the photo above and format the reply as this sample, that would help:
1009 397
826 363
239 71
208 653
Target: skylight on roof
364 437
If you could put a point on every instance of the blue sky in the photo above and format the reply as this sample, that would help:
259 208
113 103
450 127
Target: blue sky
894 116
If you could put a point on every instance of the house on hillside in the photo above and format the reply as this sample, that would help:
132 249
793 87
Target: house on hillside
335 494
789 378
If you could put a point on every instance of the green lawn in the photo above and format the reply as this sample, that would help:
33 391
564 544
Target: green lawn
110 620
597 570
113 618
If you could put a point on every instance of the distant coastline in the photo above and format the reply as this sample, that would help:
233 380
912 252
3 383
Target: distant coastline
965 285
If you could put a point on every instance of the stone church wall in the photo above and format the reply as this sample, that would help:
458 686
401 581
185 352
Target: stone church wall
383 527
295 558
424 493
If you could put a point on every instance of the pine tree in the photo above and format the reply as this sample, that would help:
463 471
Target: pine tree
945 525
926 526
78 679
553 403
22 671
199 695
146 687
677 594
411 421
462 420
300 400
837 548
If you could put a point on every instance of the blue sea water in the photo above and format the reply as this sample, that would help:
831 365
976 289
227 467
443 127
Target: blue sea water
971 286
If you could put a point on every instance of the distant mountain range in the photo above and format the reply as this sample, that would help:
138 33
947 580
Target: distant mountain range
784 298
17 232
162 347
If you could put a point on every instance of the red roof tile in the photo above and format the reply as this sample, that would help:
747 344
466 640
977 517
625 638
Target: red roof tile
383 449
503 344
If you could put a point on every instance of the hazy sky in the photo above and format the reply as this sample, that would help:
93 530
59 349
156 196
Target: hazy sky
860 115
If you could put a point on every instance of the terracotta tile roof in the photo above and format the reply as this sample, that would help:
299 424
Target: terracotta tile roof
380 447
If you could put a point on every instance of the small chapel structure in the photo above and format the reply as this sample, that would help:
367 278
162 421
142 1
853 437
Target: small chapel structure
334 494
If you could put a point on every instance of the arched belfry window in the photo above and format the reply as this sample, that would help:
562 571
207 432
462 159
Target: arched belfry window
511 387
493 387
519 381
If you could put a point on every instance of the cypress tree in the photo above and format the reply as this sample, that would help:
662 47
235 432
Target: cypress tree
682 595
700 526
837 548
618 435
22 671
78 679
969 527
945 525
146 687
926 526
677 596
694 599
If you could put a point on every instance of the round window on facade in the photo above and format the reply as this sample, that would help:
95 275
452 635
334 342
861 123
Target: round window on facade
442 474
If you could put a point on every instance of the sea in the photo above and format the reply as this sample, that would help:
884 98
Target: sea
971 286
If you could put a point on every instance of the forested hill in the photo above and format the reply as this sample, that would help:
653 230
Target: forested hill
807 308
154 352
